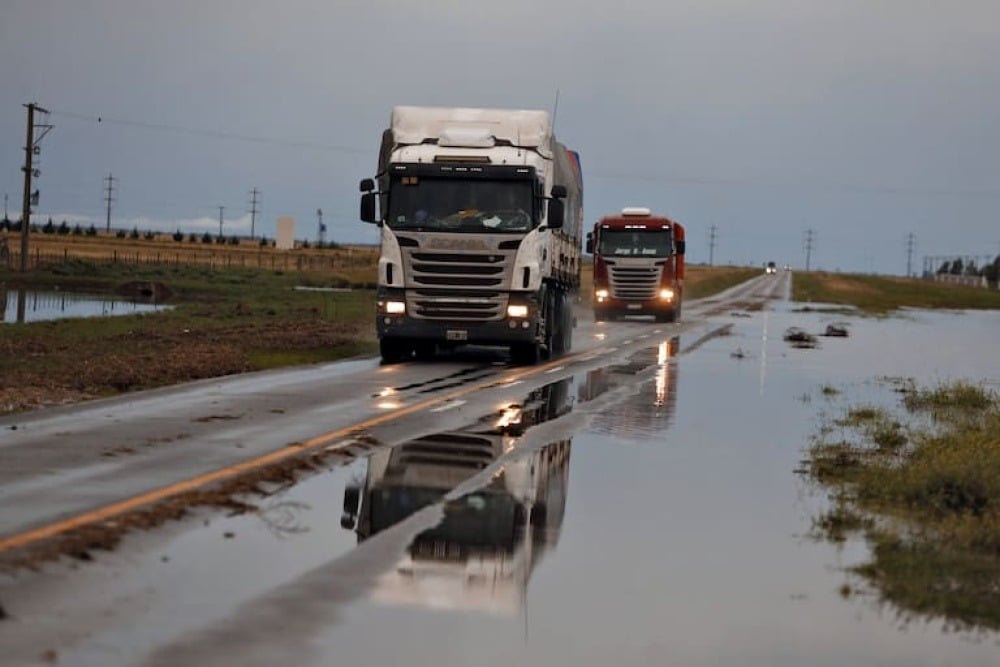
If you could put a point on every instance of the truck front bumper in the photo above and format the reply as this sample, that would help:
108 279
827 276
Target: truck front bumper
617 307
502 332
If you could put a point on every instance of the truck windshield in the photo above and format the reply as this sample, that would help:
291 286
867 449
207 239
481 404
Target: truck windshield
636 242
456 205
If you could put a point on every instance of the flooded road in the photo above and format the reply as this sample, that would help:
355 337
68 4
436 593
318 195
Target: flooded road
637 509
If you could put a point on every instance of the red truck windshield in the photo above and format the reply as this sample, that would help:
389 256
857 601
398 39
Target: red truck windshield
635 243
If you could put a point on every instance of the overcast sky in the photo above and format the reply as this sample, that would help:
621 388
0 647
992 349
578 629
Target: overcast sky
860 120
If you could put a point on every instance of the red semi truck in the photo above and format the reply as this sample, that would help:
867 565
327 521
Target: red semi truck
638 265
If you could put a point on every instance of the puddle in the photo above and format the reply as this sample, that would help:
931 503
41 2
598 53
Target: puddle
20 306
676 533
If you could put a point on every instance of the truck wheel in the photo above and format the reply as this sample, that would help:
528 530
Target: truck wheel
600 316
566 324
550 314
425 350
393 350
525 354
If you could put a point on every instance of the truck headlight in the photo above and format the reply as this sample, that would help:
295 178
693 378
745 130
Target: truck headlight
601 294
517 311
667 294
395 307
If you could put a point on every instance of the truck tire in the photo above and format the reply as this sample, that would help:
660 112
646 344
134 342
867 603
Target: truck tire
525 354
568 323
665 316
394 350
425 350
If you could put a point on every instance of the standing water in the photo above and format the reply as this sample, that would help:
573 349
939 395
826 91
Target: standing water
20 306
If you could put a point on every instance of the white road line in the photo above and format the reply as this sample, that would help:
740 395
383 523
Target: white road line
447 406
553 370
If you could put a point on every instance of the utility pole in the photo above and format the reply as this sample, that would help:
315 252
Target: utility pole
711 245
31 149
808 246
321 228
253 210
109 198
5 206
221 209
909 252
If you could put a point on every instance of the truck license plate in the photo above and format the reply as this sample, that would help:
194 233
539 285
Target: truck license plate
457 334
635 306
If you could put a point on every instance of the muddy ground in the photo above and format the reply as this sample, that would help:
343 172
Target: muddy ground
75 370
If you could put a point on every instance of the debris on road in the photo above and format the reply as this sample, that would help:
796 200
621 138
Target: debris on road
800 338
836 330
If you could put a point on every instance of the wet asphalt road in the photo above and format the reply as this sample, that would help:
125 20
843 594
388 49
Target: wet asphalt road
632 502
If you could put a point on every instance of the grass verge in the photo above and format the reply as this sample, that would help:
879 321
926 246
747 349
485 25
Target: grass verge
222 321
882 294
923 487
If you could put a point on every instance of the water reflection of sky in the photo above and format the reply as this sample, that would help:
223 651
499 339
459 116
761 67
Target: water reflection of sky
688 546
58 305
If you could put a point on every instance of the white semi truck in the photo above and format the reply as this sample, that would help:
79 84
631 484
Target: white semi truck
481 213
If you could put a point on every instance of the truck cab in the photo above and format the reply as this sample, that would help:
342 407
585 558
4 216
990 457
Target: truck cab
638 265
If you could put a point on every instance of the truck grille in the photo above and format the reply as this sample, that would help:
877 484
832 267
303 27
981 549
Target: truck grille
449 449
634 283
457 286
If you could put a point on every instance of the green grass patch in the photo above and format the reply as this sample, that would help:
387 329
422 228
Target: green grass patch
883 294
701 282
220 321
928 475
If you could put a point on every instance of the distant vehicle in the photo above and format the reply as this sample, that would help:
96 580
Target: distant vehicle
770 267
638 265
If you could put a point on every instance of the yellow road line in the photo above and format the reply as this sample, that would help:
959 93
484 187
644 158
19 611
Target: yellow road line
26 538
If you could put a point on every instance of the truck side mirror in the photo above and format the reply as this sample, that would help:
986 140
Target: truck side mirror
589 247
680 247
368 207
559 192
556 213
367 185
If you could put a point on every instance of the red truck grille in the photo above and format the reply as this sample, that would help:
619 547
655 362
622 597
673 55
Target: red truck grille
634 283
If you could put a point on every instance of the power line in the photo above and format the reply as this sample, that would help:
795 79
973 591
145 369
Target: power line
711 245
32 147
910 238
109 191
217 134
253 210
808 246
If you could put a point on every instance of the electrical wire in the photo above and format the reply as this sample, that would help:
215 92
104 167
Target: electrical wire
215 134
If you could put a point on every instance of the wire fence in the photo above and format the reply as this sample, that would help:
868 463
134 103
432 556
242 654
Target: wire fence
333 261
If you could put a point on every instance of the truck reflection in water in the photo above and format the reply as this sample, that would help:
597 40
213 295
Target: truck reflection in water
484 550
651 409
